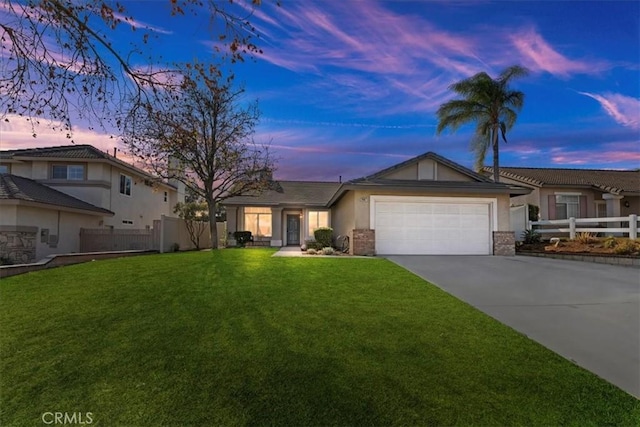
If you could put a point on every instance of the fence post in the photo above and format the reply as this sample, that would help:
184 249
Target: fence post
633 226
572 228
162 225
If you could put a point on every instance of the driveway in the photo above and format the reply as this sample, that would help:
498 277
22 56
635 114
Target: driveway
588 313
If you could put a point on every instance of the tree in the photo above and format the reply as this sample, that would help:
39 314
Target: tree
201 135
59 58
491 104
195 216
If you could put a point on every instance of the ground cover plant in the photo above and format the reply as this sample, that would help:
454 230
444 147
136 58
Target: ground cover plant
237 337
586 243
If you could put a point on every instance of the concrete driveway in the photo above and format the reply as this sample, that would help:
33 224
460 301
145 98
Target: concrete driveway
588 313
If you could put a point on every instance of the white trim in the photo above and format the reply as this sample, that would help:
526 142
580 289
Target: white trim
566 193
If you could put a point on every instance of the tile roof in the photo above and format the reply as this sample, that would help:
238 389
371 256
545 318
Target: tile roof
607 180
14 187
301 193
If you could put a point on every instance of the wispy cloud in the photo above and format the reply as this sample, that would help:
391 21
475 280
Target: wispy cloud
137 24
623 109
538 55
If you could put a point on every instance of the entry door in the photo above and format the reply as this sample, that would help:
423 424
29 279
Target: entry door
293 229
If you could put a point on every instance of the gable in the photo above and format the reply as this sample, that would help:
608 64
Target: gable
428 167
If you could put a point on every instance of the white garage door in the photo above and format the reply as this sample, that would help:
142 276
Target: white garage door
429 228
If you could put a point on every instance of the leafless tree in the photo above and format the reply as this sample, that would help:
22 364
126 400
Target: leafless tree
58 59
202 135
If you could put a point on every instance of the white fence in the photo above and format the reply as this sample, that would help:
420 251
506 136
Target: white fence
587 225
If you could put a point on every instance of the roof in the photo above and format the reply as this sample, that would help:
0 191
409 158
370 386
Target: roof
14 187
615 181
74 152
301 193
428 155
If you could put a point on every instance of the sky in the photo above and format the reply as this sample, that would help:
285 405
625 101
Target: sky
349 87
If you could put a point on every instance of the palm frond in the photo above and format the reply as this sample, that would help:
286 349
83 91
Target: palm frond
479 145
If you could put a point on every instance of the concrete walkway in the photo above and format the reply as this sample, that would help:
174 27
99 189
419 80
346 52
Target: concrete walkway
587 313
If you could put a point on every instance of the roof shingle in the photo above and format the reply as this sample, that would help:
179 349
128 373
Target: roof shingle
14 187
606 180
304 193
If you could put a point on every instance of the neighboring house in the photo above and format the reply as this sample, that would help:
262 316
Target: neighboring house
579 193
425 205
48 194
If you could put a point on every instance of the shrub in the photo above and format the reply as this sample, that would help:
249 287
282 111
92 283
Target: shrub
586 238
311 251
5 260
531 236
533 212
242 237
627 247
610 242
324 236
312 244
174 247
328 251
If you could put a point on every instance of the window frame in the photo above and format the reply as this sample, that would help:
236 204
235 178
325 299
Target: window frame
316 223
68 174
265 214
122 187
566 204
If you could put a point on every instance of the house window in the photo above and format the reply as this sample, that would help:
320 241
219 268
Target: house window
125 185
127 222
5 169
258 221
68 172
567 206
317 219
601 209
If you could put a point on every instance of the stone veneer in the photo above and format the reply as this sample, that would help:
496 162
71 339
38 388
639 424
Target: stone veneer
363 242
504 243
18 243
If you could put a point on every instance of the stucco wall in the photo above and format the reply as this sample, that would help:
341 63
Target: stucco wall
65 225
427 169
343 215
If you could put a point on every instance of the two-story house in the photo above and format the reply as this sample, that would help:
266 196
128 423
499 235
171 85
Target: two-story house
48 194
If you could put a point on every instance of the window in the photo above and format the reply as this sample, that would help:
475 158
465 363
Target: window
258 221
601 209
567 206
127 222
69 172
317 219
125 185
5 169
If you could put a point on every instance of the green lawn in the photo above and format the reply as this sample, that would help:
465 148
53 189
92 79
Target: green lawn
236 337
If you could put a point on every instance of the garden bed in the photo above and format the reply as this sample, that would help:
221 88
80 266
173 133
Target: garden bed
612 247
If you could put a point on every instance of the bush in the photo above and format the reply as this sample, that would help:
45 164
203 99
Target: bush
242 237
328 251
174 247
312 244
531 236
324 236
627 247
610 242
311 251
586 238
533 212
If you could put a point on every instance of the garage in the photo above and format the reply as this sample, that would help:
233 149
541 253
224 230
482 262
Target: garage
432 226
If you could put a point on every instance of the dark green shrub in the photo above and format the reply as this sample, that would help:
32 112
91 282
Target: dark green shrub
531 236
533 212
312 244
175 247
324 236
242 237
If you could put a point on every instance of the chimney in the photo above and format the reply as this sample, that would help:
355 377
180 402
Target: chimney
115 150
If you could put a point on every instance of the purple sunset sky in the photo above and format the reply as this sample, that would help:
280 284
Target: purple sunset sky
350 87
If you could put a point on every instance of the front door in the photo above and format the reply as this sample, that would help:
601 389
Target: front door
293 229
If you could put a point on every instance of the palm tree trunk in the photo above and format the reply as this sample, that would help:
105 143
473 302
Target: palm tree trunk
496 156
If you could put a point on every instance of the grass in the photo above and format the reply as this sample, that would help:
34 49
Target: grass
236 337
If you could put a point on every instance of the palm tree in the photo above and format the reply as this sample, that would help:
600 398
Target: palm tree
489 103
